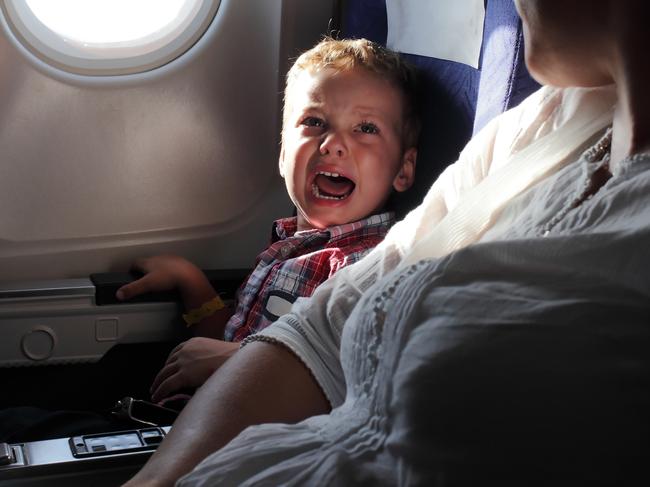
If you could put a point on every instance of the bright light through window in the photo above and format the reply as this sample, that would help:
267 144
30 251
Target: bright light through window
107 21
108 37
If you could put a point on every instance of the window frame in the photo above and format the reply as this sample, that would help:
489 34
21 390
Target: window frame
52 49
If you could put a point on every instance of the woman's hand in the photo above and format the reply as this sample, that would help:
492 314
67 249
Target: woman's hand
190 364
162 273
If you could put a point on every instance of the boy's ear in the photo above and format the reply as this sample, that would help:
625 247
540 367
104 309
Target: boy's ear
281 161
406 175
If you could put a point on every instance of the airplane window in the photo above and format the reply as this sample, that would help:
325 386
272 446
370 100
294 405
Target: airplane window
108 37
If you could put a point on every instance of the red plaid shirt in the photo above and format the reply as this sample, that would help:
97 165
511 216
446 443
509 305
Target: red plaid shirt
295 264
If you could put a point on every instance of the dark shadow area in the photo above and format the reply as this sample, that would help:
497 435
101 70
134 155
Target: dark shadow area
126 370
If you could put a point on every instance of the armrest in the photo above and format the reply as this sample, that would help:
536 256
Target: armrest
225 281
78 320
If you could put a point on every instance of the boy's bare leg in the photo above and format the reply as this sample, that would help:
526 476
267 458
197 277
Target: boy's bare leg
262 383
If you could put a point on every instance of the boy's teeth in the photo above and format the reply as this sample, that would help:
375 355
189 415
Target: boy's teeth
330 174
315 191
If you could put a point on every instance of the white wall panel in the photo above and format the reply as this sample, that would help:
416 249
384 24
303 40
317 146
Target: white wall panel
95 171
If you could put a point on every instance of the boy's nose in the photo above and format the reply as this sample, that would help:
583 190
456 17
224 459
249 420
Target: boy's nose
333 145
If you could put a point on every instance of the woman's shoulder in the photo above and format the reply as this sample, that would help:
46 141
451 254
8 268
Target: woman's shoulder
549 109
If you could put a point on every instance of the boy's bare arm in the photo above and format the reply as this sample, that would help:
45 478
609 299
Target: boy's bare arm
262 383
165 272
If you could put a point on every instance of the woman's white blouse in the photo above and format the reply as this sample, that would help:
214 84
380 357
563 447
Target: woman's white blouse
313 328
413 356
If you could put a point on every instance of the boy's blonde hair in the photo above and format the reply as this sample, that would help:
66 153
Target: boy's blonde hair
346 54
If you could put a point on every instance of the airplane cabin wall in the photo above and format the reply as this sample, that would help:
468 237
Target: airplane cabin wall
96 171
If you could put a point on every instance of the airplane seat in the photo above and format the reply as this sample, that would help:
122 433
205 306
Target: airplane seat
457 99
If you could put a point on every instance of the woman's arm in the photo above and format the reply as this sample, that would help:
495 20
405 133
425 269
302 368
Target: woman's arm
283 390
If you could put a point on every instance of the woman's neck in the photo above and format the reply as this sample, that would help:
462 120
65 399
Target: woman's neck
631 129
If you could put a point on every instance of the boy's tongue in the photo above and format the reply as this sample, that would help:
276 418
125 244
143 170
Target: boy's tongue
334 186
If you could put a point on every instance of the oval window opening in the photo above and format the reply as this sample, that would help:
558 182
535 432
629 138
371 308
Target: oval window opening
108 37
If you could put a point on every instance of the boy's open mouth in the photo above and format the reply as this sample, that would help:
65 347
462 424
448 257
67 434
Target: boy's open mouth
332 186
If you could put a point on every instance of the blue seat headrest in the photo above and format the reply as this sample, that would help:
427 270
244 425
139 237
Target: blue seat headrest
457 100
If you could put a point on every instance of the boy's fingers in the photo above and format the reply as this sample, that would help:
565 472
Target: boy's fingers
166 388
125 292
177 398
167 371
172 357
134 288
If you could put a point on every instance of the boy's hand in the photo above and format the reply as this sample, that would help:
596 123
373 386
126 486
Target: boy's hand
162 273
190 364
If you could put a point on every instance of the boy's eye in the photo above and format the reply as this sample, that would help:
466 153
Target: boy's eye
313 122
368 128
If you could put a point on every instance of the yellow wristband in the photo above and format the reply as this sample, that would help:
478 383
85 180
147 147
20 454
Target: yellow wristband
207 309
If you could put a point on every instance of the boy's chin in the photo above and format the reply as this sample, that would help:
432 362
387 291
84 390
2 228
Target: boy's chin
331 215
331 221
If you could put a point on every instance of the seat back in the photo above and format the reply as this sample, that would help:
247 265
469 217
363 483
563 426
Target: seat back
457 99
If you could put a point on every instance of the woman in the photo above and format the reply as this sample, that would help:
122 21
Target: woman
519 358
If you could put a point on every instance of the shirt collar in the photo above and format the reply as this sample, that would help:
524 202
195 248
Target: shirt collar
284 228
287 227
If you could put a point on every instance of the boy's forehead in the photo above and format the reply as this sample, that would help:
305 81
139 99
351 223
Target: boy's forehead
326 85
